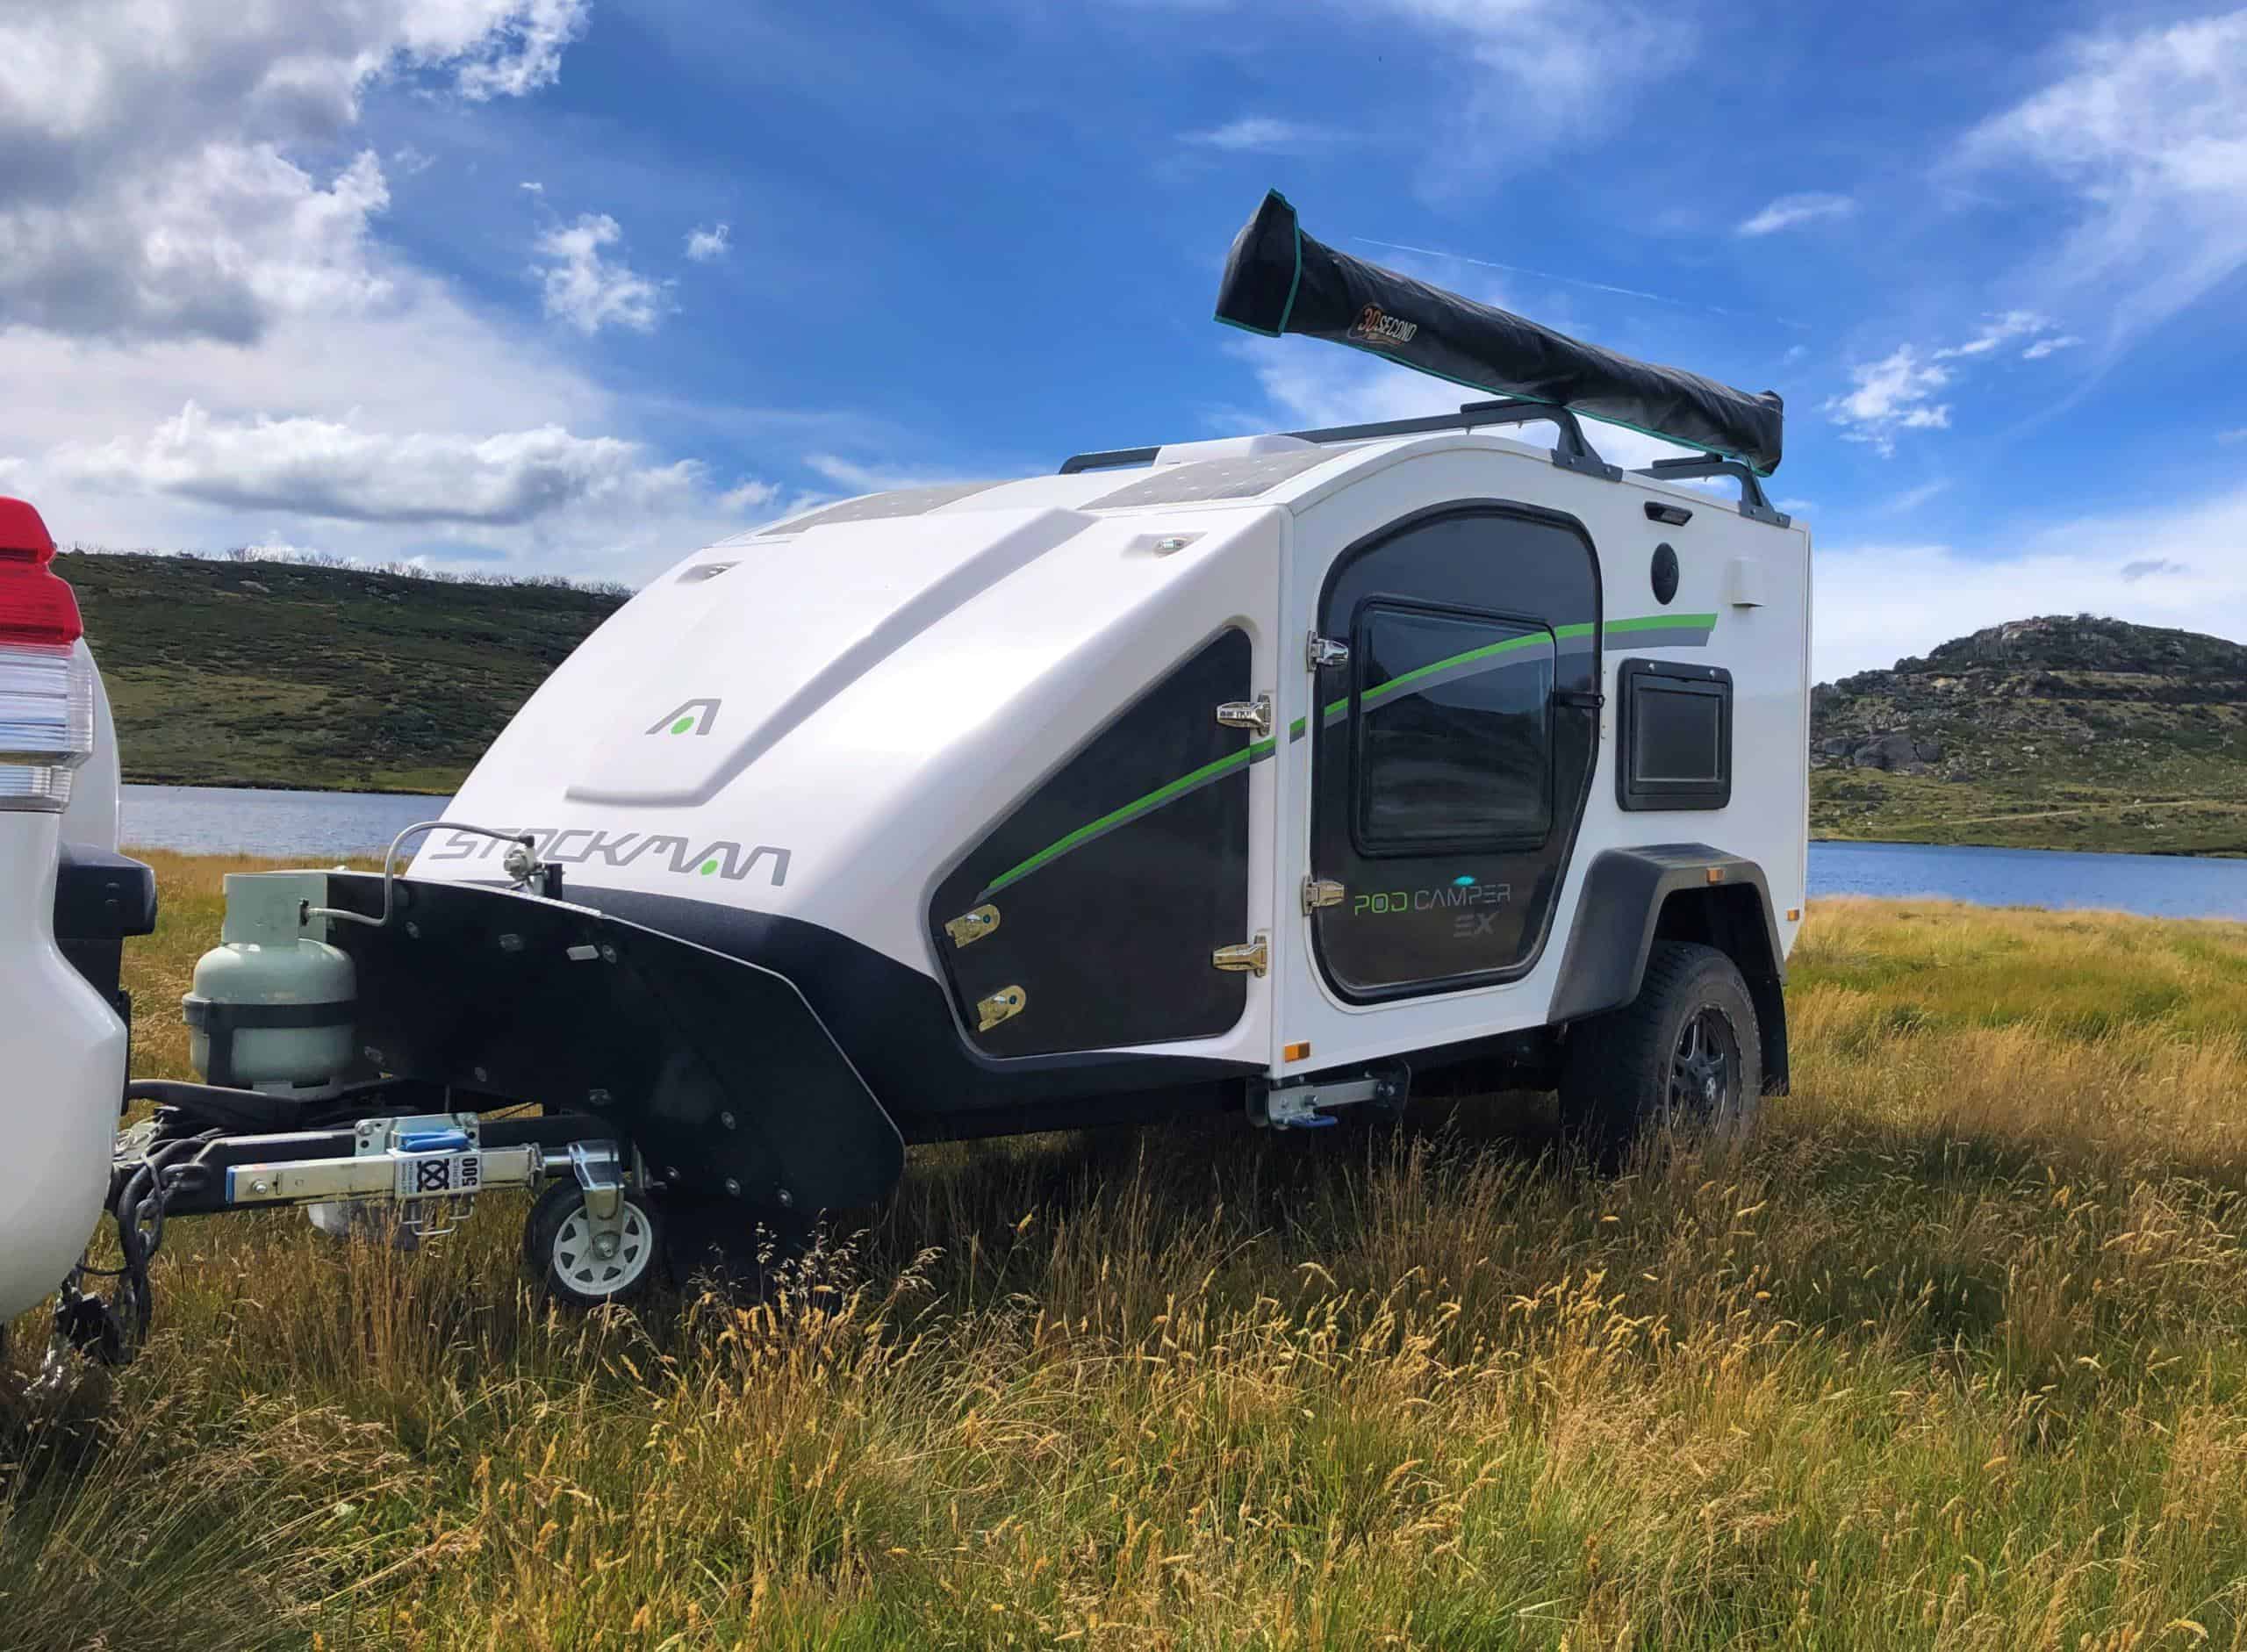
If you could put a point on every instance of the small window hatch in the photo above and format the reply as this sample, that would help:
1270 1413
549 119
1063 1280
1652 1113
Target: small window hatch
1674 735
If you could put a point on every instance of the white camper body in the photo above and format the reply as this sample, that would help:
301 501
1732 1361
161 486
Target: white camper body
823 721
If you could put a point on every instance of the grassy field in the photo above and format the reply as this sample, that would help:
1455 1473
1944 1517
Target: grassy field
2184 804
1954 1355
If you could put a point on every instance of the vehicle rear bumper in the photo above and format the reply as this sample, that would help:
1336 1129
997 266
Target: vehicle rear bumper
63 1059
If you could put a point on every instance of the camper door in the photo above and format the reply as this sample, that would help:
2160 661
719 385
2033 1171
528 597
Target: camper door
1454 745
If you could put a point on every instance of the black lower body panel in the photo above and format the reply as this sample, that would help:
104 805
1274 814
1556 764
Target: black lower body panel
896 1025
717 1070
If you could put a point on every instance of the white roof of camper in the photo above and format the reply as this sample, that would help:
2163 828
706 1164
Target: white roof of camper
1236 470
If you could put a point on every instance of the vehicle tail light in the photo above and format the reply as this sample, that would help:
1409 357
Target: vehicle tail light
46 687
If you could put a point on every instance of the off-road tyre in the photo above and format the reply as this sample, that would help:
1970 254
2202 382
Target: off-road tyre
1682 1062
557 1250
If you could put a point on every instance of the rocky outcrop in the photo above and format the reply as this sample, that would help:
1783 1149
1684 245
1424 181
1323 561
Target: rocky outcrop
2049 697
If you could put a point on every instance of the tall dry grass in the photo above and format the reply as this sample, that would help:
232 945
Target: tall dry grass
1951 1355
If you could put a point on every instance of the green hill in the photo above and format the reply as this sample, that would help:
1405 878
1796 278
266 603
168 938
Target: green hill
2051 733
274 673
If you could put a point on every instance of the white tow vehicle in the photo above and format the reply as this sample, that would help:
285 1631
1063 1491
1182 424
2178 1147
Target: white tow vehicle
1282 775
62 1034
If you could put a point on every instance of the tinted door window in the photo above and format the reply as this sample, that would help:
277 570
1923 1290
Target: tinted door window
1455 745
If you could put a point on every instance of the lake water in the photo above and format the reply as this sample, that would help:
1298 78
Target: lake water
2157 886
217 821
317 824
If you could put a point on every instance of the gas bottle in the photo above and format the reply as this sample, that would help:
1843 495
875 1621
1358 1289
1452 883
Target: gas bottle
272 1007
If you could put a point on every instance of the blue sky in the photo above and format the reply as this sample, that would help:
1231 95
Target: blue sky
577 285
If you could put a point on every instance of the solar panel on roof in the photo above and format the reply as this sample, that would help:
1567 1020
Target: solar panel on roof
904 502
1210 479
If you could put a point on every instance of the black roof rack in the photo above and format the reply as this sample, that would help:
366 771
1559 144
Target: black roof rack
1753 503
1572 452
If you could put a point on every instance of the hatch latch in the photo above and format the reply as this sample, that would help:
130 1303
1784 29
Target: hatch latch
1252 957
971 927
1002 1005
1255 716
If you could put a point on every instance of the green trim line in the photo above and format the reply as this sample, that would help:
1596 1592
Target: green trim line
1210 774
1534 639
1294 280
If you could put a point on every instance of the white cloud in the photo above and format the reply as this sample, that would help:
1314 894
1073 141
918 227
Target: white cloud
1875 603
1997 330
334 471
149 180
217 243
420 380
587 289
748 496
1577 65
1517 77
1912 498
1893 394
876 479
2228 436
1899 392
225 353
707 243
518 55
1789 211
1262 134
2148 134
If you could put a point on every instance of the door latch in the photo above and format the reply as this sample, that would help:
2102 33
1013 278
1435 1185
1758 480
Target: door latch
1002 1005
1252 957
1255 716
1321 892
1325 654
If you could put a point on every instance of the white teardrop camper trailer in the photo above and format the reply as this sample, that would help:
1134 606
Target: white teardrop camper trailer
1268 774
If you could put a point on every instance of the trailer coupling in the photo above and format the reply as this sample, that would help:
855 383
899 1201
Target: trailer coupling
425 1169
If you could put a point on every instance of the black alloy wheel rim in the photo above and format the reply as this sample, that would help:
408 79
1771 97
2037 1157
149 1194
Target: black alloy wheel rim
1704 1066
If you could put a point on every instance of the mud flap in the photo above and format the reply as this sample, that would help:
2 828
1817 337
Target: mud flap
718 1071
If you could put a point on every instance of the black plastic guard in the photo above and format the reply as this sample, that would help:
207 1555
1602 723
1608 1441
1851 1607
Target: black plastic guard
541 1001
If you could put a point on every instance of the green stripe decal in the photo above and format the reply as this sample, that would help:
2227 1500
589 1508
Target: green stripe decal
1132 811
1210 774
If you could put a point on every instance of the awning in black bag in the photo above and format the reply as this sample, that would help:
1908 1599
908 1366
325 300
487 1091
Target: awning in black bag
1279 280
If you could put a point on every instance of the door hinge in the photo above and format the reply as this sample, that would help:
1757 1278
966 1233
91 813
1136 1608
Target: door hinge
1002 1005
1324 653
1255 716
1252 957
971 927
1318 891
